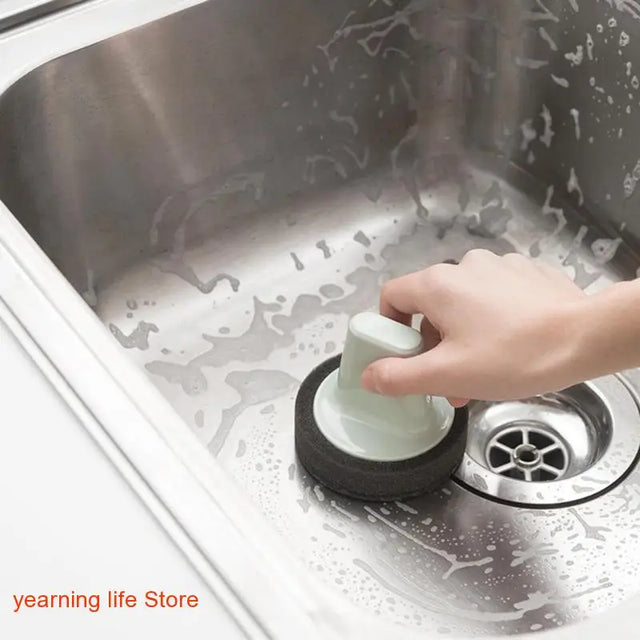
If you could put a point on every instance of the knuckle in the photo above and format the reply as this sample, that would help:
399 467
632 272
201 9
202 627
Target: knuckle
551 271
558 273
554 273
517 258
436 278
477 254
387 289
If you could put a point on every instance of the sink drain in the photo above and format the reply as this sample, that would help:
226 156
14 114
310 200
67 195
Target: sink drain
527 452
552 449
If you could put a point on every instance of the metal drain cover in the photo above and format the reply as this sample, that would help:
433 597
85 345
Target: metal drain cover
529 452
553 449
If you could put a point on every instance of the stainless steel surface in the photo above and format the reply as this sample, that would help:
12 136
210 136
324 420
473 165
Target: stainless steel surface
554 449
227 185
14 13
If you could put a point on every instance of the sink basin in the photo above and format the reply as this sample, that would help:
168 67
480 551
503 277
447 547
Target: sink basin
225 185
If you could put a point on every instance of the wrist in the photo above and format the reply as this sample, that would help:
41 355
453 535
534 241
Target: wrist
606 326
570 343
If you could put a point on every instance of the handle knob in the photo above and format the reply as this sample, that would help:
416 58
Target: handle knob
371 337
369 425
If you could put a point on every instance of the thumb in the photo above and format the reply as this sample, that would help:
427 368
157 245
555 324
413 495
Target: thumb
428 374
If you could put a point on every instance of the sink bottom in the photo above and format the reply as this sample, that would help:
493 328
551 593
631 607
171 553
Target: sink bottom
567 447
227 331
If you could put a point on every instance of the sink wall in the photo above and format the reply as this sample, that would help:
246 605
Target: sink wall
228 109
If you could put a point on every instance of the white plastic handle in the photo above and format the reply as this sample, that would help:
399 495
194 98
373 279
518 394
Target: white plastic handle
371 337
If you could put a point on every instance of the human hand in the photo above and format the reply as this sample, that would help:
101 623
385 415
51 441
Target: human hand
496 328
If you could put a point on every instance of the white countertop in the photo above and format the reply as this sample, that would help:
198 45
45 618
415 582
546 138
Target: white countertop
71 522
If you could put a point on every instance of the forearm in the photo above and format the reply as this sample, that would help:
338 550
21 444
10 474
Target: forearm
608 328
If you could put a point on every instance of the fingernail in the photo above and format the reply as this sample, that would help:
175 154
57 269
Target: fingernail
458 403
367 380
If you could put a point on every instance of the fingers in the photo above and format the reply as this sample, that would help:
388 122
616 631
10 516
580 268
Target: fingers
557 275
519 262
424 374
403 376
478 256
524 264
403 297
400 298
552 272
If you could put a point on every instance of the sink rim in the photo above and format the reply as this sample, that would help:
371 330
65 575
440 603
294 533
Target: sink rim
19 12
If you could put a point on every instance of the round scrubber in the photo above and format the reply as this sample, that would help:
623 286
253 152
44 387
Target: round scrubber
370 446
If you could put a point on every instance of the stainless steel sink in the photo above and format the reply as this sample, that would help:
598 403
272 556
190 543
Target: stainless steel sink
226 185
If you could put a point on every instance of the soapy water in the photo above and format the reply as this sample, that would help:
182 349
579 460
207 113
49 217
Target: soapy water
138 338
445 561
604 249
562 82
374 552
544 34
575 114
348 120
251 444
547 137
194 198
574 186
577 57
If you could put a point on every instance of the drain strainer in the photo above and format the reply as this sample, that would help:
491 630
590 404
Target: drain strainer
553 449
527 451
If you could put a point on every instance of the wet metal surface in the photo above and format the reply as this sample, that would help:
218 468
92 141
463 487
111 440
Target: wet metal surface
226 211
450 561
566 446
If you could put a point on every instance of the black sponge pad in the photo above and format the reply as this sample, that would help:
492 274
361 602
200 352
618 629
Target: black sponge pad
369 479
